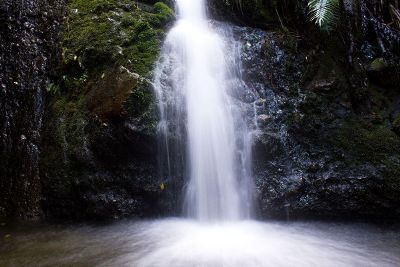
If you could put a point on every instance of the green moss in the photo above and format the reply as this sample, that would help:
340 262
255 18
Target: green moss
375 144
372 143
70 120
139 100
127 20
378 64
163 14
67 131
74 83
99 36
102 34
53 89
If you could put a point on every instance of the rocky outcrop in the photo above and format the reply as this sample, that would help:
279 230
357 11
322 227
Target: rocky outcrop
29 43
328 109
327 145
100 145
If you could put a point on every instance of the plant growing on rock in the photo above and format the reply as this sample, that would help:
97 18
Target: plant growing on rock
323 12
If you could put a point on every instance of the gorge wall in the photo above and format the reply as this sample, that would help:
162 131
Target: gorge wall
328 110
78 120
29 41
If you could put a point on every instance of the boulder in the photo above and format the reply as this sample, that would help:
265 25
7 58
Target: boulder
107 96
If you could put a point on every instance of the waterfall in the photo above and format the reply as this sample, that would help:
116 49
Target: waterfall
202 128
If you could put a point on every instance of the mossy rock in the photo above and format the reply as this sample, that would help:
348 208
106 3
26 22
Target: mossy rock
69 119
109 51
378 64
329 76
364 143
100 36
106 95
163 14
107 33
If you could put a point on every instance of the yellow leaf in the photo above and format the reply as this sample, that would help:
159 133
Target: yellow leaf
162 186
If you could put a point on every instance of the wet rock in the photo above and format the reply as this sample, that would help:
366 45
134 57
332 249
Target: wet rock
326 144
316 155
113 205
29 54
396 124
322 85
384 73
247 11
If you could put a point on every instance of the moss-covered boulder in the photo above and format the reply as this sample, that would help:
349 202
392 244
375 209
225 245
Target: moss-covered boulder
99 142
102 33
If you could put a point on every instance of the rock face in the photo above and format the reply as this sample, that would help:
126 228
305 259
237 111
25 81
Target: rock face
328 109
257 13
99 142
327 145
29 38
106 97
249 11
384 73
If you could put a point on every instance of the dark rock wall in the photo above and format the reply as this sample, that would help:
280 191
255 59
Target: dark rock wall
259 13
328 145
328 109
29 37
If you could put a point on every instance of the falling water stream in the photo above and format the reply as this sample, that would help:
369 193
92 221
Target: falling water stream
206 134
192 81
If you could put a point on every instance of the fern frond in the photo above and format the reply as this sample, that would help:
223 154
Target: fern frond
323 12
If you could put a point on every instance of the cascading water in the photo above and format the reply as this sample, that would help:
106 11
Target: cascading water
192 80
208 118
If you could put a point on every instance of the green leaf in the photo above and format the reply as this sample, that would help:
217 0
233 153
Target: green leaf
323 12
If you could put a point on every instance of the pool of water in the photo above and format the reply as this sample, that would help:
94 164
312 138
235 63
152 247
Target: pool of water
186 243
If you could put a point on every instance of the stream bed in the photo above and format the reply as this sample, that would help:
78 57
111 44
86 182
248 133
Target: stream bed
187 243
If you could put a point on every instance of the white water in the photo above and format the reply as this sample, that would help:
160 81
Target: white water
207 132
188 243
192 81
